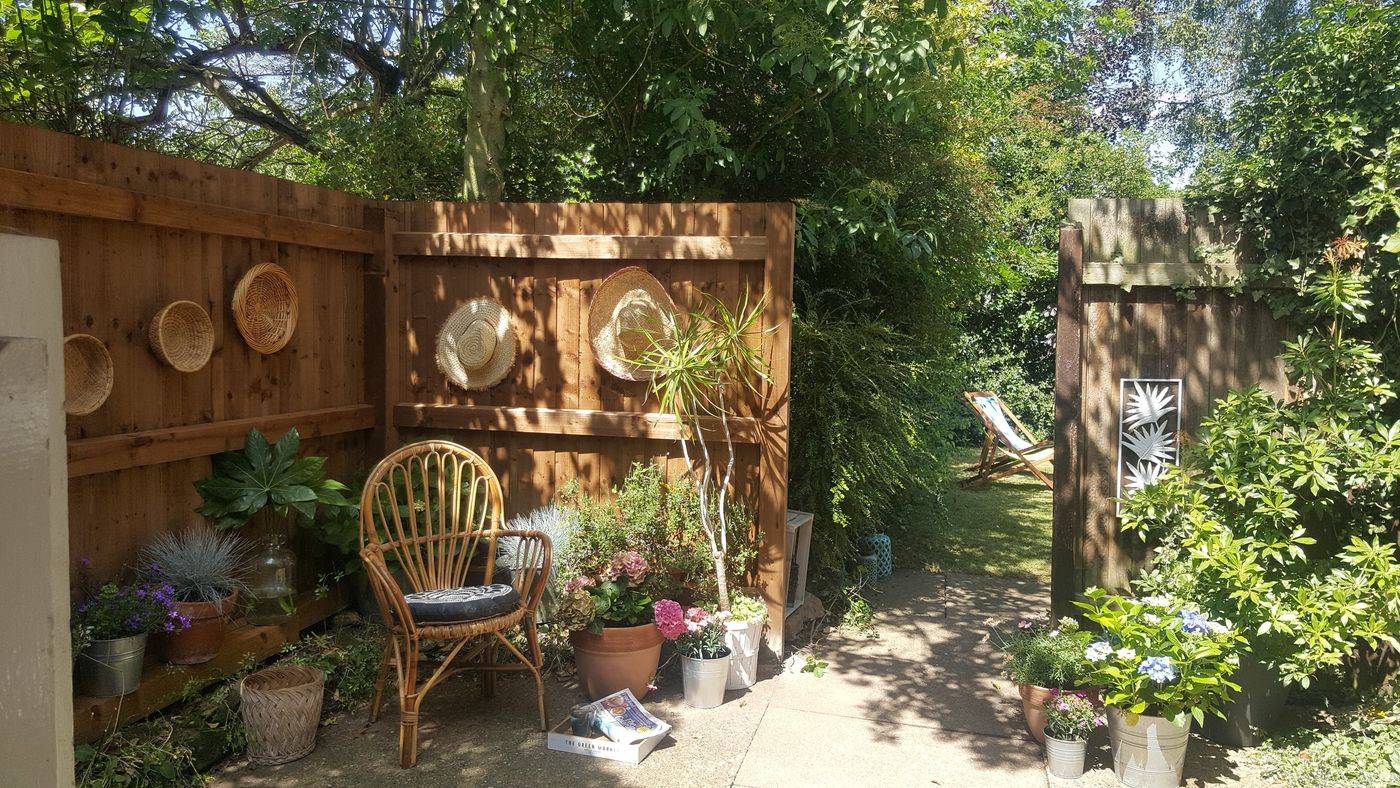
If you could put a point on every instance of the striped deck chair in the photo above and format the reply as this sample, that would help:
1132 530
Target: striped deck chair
1009 447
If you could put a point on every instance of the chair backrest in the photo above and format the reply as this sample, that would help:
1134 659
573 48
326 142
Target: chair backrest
433 509
994 415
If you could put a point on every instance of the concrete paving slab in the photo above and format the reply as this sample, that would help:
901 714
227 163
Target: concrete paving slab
795 747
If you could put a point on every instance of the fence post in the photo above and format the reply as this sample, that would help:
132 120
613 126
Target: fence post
1066 577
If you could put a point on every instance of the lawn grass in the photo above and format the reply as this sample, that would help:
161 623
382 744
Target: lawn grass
1001 528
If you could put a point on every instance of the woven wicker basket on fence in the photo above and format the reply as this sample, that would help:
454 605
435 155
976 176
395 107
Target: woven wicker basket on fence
281 710
265 307
87 374
182 335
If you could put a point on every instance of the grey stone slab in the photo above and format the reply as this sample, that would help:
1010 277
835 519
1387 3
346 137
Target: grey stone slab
795 747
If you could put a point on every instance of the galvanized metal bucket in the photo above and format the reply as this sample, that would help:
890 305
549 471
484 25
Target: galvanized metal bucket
1148 752
1065 759
704 681
108 668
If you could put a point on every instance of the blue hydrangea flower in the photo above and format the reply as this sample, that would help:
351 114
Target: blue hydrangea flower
1159 669
1097 651
1193 622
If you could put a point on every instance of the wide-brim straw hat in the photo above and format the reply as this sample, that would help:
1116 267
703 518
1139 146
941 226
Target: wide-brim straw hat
630 312
476 346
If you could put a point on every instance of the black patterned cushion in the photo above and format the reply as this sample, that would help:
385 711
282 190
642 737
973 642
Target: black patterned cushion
462 604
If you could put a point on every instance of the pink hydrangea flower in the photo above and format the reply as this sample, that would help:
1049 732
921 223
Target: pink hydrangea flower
574 584
669 618
629 563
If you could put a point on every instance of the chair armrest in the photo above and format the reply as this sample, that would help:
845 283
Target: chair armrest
536 552
387 592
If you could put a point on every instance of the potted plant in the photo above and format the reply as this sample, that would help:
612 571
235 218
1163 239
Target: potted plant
609 618
205 568
1161 664
699 637
263 477
743 631
696 374
1041 659
117 620
1070 717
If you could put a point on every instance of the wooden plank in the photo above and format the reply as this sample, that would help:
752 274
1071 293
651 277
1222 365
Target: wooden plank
563 421
35 192
163 685
773 452
1068 521
170 444
586 247
1169 274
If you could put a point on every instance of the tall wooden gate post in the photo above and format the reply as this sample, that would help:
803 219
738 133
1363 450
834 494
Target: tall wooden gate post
1065 575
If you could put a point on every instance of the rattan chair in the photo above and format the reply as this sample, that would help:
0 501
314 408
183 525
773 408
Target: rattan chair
433 510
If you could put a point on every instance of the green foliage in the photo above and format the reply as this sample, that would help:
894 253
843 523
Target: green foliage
661 521
1281 519
1042 655
1314 146
1157 657
262 475
747 608
1360 748
115 611
176 747
1072 717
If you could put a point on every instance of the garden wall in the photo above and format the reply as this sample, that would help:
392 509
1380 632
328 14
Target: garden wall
1146 292
137 230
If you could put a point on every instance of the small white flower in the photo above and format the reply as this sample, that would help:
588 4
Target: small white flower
1097 651
1125 653
1216 627
1157 600
1152 618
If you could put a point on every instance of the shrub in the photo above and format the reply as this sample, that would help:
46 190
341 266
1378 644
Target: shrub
1159 657
1044 656
1359 747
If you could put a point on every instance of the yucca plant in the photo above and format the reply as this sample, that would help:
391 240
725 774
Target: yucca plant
201 564
712 359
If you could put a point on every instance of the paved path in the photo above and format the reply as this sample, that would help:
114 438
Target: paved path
919 704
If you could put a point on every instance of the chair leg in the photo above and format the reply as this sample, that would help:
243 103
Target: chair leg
377 703
488 677
533 635
408 708
539 678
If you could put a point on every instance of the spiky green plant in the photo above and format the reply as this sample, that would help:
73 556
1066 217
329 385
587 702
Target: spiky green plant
713 359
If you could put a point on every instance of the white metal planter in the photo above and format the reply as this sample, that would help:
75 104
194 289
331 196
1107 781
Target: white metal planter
1065 758
704 681
742 638
1148 752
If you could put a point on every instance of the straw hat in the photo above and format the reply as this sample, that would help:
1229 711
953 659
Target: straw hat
476 346
629 312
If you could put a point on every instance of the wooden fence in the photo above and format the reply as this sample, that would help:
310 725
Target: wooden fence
1144 293
137 230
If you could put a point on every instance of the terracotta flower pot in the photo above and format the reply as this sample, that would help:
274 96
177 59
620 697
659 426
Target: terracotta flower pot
620 657
1033 698
201 641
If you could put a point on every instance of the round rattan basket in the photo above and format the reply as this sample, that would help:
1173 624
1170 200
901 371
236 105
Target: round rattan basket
281 710
87 374
182 335
265 307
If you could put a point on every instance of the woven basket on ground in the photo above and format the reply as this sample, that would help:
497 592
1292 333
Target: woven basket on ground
265 307
182 335
87 374
281 710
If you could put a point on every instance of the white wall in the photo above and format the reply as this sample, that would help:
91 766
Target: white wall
36 708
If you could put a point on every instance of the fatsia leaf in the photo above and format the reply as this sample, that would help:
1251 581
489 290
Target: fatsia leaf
256 450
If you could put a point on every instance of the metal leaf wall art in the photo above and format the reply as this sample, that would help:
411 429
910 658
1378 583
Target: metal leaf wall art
1149 427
